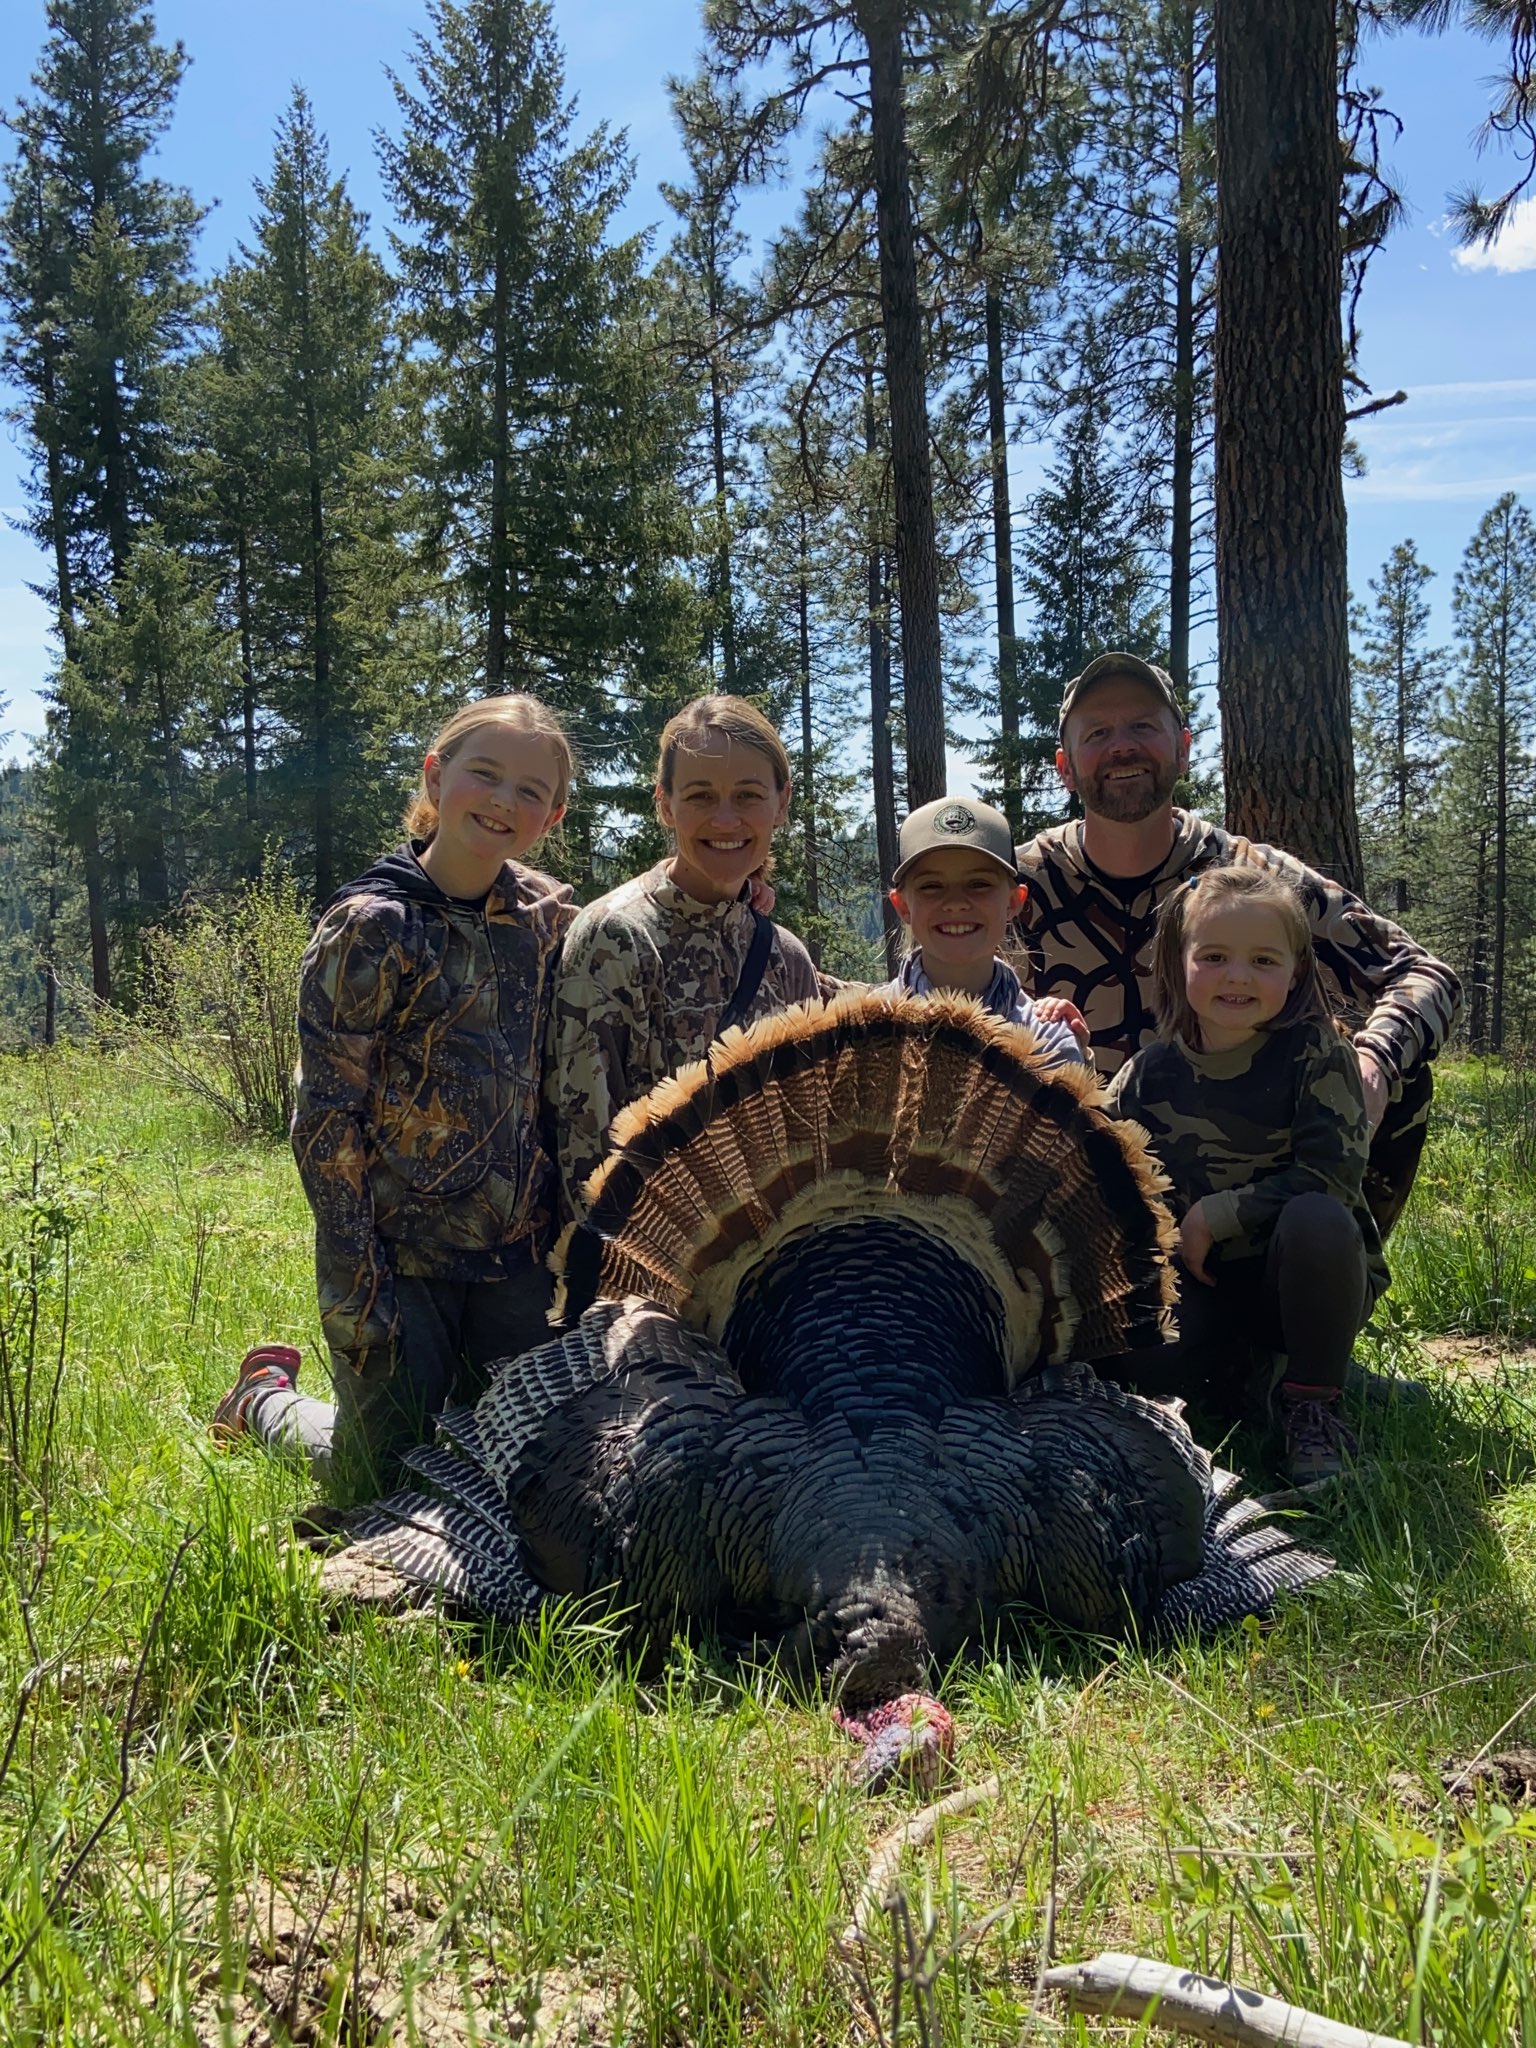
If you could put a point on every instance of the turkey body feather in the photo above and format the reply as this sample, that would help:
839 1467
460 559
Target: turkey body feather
825 1380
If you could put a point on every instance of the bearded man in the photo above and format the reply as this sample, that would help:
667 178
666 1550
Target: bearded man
1095 885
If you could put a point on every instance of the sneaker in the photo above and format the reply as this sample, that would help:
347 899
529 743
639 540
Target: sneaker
1318 1442
268 1367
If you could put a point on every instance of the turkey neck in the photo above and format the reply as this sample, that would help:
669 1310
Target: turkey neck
870 1320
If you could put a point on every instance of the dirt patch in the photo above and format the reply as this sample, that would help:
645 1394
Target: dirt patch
1480 1356
313 1976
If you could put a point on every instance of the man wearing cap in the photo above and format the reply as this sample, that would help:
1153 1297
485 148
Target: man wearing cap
956 889
1095 884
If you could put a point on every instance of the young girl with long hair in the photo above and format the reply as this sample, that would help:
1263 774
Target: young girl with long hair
1255 1109
423 1006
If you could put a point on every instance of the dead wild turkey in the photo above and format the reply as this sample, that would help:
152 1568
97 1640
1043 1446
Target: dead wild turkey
822 1385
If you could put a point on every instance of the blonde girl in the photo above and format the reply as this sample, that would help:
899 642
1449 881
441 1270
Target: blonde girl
423 1005
1256 1111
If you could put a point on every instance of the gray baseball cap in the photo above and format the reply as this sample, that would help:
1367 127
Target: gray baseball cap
1104 665
955 821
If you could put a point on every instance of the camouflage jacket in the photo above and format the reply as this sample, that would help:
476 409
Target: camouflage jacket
1247 1130
417 1126
644 979
1089 938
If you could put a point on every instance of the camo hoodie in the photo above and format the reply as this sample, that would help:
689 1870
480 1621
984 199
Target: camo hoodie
416 1129
1246 1130
643 982
1089 937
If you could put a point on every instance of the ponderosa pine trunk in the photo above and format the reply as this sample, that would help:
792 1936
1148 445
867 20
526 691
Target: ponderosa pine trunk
1002 571
808 753
917 555
882 750
1182 493
1281 576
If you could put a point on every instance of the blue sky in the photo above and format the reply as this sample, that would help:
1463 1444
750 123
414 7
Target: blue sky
1456 336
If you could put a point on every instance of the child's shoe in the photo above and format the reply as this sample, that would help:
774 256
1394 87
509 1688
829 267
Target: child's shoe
1318 1442
265 1369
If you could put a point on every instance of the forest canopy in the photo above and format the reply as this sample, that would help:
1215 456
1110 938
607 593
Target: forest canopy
296 508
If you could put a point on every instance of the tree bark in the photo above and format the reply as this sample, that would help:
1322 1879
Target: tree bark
808 753
725 602
882 752
247 688
499 565
1002 571
917 558
1281 575
1182 492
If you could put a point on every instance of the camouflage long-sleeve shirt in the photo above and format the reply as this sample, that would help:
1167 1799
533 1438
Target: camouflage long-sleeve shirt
1245 1131
422 1022
646 974
1088 936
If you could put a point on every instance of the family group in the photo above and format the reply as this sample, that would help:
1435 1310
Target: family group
468 1036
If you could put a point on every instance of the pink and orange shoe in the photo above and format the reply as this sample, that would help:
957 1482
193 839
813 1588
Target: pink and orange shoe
266 1368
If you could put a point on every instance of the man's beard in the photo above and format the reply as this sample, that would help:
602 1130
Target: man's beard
1127 803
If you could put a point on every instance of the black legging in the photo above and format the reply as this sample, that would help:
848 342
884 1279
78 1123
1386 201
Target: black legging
1308 1297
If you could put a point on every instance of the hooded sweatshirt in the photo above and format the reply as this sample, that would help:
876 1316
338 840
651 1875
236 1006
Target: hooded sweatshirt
416 1129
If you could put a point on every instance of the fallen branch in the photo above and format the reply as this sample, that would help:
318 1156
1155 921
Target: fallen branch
1208 2008
885 1857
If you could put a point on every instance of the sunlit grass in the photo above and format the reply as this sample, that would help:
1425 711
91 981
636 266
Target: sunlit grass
338 1834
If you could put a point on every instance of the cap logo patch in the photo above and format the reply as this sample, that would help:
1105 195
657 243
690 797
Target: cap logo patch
955 818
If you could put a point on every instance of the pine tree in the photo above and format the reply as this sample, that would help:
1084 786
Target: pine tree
1494 606
554 509
301 367
98 297
1399 682
1281 575
1087 581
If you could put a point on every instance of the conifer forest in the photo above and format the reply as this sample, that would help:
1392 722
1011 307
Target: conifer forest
294 508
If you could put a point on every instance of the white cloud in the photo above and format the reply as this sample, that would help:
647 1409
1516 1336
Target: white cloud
1515 248
1425 488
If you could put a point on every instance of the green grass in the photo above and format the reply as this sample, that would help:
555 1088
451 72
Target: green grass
414 1833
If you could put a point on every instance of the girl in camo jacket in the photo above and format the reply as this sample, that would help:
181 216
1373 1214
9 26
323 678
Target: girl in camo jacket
423 1008
1255 1109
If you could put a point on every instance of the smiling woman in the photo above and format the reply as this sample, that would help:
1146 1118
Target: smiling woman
651 970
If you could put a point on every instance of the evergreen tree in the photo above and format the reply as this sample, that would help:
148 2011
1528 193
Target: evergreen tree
98 297
1399 682
554 422
1494 606
1282 592
302 365
1087 582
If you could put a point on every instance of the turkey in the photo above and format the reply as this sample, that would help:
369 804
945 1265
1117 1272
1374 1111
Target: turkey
824 1387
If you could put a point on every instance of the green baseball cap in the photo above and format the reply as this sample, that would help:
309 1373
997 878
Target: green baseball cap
1105 665
955 821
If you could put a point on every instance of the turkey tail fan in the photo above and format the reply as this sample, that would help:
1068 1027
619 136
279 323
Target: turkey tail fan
924 1108
1250 1561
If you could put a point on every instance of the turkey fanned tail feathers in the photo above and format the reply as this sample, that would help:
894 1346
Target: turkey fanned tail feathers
829 1389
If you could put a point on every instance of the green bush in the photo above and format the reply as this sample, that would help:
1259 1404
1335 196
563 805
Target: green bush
220 1021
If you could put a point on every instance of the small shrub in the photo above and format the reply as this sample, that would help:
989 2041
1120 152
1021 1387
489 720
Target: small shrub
221 1021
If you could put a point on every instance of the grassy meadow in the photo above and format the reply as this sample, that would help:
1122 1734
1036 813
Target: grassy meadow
225 1819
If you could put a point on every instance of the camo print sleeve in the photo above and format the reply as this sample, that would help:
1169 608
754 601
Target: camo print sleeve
348 986
601 1046
1328 1145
